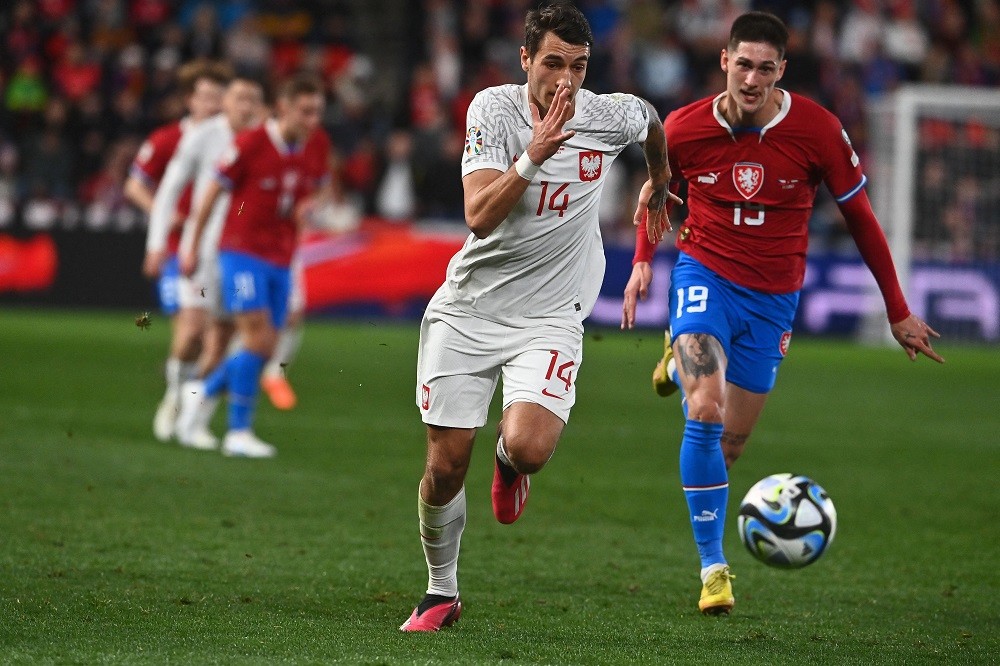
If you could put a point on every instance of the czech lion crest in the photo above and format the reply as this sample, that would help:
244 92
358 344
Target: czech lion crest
748 177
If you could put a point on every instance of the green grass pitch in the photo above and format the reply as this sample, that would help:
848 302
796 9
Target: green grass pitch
115 548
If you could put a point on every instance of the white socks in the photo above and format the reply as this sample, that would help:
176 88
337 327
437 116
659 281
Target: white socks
502 452
441 536
289 341
178 372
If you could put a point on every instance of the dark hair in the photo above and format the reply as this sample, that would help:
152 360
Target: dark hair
300 84
251 79
562 18
190 73
759 27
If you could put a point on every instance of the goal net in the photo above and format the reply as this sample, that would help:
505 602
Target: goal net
934 168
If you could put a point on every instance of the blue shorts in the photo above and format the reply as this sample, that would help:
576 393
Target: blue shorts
753 327
168 286
250 283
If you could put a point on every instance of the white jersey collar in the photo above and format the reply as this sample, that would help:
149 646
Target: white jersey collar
786 106
273 133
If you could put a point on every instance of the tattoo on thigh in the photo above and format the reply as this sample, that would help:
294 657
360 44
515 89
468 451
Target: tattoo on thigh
700 354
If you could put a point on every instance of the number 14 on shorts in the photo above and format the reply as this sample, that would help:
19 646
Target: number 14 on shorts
560 371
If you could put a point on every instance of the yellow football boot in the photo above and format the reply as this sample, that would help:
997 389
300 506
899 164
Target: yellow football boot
662 383
717 593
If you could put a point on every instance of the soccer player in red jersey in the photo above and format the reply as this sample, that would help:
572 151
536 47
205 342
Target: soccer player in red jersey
269 172
202 83
274 381
753 158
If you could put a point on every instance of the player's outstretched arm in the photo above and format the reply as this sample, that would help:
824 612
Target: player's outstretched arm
636 290
490 196
912 333
139 194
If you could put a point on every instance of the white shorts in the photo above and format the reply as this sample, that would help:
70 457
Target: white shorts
461 357
201 290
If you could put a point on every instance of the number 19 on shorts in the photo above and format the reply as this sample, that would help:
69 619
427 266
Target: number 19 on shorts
692 299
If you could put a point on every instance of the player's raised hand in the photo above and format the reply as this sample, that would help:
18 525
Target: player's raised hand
636 290
547 134
914 335
653 204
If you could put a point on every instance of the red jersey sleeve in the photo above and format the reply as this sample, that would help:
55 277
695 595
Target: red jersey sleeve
839 163
151 161
843 176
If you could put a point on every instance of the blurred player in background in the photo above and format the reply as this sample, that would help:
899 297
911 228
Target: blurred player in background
274 380
515 296
195 161
268 173
202 83
753 158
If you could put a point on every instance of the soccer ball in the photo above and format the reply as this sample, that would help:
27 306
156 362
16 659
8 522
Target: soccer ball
787 521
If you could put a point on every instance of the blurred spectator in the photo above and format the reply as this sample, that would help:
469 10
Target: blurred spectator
663 72
861 32
27 91
203 39
396 198
247 49
78 74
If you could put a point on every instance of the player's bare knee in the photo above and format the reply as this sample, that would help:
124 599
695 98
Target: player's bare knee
528 454
444 476
705 407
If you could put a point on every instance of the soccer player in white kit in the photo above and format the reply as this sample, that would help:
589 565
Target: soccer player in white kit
195 160
516 294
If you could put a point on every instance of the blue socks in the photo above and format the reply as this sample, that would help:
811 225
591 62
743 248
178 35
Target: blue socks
244 385
240 373
706 487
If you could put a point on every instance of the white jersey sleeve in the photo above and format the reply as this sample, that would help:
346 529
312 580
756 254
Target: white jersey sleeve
491 121
216 140
181 171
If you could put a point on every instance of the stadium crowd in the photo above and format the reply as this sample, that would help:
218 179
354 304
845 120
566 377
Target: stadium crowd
83 81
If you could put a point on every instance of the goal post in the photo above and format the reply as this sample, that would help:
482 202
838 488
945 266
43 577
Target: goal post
934 166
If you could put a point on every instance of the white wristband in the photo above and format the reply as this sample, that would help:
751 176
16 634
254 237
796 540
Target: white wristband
525 167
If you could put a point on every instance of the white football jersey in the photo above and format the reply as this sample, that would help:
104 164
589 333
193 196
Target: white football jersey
196 158
546 258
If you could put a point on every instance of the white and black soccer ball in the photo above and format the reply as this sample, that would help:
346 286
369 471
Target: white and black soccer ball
787 521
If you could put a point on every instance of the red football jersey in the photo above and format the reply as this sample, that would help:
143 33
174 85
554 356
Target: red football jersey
267 179
151 163
751 190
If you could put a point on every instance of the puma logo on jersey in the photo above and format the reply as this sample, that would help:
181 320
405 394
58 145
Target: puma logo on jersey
590 164
788 183
711 178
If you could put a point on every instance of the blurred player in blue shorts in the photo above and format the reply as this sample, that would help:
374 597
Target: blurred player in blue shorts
268 172
203 84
